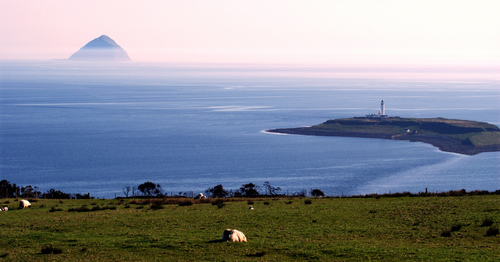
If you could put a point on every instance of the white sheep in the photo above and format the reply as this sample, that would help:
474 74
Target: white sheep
200 196
24 204
5 209
233 235
250 207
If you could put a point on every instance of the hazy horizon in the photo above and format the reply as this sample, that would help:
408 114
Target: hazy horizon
275 32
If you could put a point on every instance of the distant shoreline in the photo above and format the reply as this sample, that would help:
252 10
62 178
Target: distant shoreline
457 136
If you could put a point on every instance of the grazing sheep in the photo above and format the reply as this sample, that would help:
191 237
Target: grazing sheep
200 196
24 204
233 235
250 207
5 209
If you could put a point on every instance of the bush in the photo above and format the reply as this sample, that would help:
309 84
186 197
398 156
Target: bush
307 202
51 250
492 231
266 203
186 202
317 193
156 204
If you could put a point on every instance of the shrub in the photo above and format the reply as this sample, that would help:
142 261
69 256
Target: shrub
307 202
51 250
266 203
217 202
155 205
289 202
492 231
186 202
250 202
317 193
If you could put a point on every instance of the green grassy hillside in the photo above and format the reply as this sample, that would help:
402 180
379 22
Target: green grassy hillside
334 229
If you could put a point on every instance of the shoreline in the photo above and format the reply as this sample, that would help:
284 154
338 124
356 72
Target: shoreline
443 142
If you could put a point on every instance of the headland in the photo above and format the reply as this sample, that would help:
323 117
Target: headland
449 135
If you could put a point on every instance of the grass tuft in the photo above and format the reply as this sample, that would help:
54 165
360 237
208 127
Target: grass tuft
487 222
256 254
456 227
492 231
446 234
50 249
55 209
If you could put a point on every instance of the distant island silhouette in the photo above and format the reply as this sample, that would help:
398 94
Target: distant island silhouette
449 135
102 48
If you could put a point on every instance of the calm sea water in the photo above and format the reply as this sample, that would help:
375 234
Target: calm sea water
94 128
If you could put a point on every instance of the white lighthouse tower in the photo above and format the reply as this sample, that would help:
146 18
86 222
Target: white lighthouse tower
382 108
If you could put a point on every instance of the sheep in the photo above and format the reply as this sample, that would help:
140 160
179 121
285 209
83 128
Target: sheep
200 196
24 204
5 209
250 207
233 235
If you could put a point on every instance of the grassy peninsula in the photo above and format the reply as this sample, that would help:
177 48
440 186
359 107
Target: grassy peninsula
450 135
428 228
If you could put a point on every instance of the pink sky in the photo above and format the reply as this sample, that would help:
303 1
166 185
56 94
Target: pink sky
276 31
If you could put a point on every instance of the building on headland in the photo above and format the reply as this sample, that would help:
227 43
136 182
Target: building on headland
381 113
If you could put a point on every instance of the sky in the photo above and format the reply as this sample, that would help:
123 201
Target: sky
269 31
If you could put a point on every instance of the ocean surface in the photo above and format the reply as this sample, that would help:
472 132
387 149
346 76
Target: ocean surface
96 128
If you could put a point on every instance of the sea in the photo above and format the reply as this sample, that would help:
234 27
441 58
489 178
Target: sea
98 128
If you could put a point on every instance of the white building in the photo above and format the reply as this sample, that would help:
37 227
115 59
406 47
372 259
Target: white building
381 113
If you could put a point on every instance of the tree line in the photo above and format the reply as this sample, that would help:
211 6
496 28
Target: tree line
150 189
9 190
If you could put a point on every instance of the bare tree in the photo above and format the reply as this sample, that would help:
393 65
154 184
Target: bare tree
126 190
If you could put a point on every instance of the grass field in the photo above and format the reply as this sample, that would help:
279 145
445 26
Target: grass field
329 229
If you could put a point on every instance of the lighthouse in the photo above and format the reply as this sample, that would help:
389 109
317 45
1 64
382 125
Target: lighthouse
382 108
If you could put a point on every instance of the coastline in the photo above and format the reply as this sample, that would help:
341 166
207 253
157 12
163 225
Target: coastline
443 142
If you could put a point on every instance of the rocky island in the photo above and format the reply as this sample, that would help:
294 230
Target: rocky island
450 135
101 49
